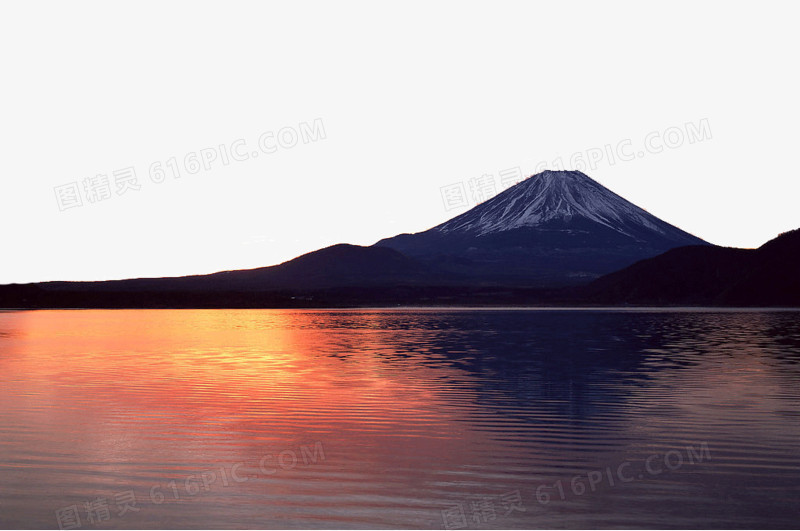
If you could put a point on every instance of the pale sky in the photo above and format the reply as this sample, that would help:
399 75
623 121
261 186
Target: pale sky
365 111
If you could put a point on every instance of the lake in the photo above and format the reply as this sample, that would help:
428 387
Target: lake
412 418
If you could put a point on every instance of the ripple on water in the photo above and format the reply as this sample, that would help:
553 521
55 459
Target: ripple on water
387 418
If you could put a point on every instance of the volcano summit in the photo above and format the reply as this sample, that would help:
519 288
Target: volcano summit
555 228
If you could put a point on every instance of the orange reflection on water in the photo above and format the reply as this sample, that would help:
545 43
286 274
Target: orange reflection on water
412 411
177 387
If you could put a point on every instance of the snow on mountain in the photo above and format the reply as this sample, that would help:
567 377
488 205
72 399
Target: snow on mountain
554 196
555 228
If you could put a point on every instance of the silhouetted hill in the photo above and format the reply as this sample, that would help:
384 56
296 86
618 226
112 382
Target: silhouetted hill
335 266
342 274
709 275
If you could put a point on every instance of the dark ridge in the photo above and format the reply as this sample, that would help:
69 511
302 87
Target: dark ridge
714 276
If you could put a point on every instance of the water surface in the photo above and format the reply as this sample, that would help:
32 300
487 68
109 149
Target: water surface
458 419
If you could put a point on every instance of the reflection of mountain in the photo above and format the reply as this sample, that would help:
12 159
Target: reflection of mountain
577 371
574 365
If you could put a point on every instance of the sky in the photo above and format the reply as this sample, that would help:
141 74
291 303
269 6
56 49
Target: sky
158 139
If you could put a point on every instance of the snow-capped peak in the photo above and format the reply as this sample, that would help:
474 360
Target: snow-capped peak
554 196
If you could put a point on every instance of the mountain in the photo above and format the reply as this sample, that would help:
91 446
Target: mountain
335 266
343 267
710 276
536 242
554 228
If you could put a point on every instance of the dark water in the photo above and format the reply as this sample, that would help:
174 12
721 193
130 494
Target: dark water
409 418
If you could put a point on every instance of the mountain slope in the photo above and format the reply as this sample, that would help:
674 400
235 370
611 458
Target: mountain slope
709 275
555 228
334 266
